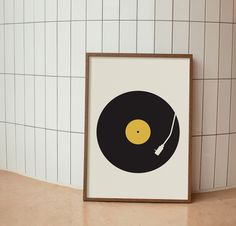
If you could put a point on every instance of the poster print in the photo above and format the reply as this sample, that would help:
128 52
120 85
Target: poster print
137 128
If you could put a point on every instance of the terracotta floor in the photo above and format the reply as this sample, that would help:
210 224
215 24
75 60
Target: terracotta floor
28 202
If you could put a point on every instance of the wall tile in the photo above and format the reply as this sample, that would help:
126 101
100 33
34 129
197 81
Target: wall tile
197 10
212 10
39 49
9 48
225 51
111 9
11 147
19 11
145 37
77 104
51 10
40 153
163 37
63 9
40 101
30 151
128 36
226 14
207 162
51 102
78 9
222 142
2 53
64 49
9 11
20 148
197 91
77 160
110 36
51 156
223 106
78 49
145 9
180 37
233 108
20 98
39 10
29 100
94 43
196 47
164 9
211 50
231 165
209 110
64 104
2 97
51 49
64 158
128 9
1 11
234 52
94 9
10 98
19 49
196 163
29 48
29 10
3 150
181 10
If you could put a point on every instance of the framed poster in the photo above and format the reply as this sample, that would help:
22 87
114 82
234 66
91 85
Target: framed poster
137 127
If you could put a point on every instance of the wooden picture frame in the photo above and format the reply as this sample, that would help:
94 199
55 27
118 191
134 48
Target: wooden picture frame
111 80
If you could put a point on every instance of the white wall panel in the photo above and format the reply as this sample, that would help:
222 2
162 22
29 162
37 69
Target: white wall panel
164 9
213 10
110 36
40 155
9 48
77 104
207 162
146 9
29 10
94 9
11 147
226 14
78 9
2 52
51 156
78 48
196 160
111 9
19 49
128 36
20 98
180 37
30 151
29 48
2 11
19 11
234 52
222 142
197 10
63 9
128 9
51 10
20 148
9 11
181 9
3 150
29 100
40 101
233 108
94 36
2 97
39 6
163 37
10 98
64 157
231 165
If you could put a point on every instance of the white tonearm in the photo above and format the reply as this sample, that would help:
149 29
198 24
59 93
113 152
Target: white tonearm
161 147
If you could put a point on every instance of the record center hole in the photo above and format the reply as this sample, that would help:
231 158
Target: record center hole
137 131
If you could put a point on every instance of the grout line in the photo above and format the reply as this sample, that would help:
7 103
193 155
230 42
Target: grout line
57 81
136 27
14 47
230 100
119 30
24 84
213 134
172 27
203 87
217 106
78 20
34 89
4 69
70 81
154 28
45 93
38 127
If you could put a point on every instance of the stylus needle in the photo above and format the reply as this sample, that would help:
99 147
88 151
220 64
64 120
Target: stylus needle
159 149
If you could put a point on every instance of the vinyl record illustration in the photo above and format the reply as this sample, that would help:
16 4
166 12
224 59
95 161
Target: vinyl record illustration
138 131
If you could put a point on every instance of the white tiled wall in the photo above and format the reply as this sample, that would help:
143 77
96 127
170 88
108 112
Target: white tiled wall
42 76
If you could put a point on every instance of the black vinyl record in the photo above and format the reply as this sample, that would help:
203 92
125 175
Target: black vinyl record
138 131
